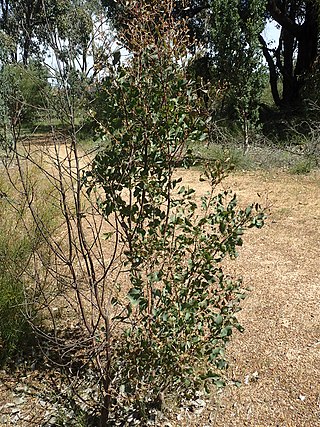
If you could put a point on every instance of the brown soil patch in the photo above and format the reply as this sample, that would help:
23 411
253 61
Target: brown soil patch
277 357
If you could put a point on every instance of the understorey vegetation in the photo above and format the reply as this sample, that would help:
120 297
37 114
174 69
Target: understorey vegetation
112 268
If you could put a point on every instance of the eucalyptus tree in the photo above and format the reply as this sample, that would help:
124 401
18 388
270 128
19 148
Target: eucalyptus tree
234 29
70 30
236 58
20 21
231 32
290 63
55 34
296 55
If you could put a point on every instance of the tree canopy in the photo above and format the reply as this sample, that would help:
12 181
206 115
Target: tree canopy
225 40
230 31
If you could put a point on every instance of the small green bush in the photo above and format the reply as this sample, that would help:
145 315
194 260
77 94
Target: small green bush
20 240
302 167
15 251
180 310
14 327
233 154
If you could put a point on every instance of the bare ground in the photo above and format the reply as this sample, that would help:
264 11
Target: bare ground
277 357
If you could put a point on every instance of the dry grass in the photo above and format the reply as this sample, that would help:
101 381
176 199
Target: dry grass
277 358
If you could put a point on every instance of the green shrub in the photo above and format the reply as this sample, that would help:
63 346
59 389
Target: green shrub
24 92
302 167
180 310
14 328
15 250
21 240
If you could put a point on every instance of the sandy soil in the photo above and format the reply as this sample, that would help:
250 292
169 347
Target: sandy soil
277 357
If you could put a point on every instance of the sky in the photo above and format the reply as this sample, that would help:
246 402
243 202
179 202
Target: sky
271 33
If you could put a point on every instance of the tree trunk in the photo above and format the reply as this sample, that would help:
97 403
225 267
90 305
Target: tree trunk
290 89
297 51
308 39
273 75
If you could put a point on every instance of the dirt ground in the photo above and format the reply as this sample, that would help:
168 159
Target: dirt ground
277 357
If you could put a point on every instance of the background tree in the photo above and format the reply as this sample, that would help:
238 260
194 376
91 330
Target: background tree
34 31
222 39
31 26
20 21
297 52
290 63
236 59
232 30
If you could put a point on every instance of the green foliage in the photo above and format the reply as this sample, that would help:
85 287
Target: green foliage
75 24
30 27
237 61
15 250
180 310
302 167
20 23
21 241
181 307
24 93
14 328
